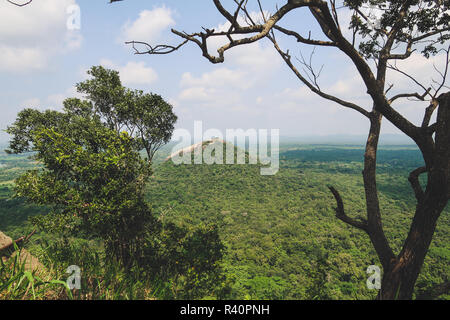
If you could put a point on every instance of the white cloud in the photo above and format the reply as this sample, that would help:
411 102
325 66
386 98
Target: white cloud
31 35
246 67
138 73
31 103
418 67
217 78
148 26
254 56
349 87
196 94
226 93
21 59
133 73
55 101
222 88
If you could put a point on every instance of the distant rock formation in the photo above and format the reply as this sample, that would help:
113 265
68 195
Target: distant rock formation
4 240
31 262
196 148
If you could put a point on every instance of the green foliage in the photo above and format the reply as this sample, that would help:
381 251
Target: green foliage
92 177
18 282
423 17
284 226
193 255
288 245
146 117
101 279
28 121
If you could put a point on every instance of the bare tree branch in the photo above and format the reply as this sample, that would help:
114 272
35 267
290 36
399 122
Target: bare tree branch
310 72
287 58
159 49
410 95
429 112
341 215
304 40
415 184
407 54
444 73
429 34
395 68
20 4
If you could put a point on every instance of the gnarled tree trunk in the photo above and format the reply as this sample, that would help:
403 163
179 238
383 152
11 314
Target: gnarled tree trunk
402 272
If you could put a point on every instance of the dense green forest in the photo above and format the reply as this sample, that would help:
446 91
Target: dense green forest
282 240
95 206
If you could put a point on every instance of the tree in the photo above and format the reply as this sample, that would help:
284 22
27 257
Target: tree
404 26
93 178
145 116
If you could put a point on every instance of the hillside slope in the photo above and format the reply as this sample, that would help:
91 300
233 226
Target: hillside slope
282 237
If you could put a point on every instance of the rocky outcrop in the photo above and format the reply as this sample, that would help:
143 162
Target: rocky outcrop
31 262
4 240
196 148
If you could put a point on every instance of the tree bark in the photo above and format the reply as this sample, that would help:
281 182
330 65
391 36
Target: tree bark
375 228
401 275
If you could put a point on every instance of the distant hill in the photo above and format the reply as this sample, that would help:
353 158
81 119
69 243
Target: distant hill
198 148
385 139
209 148
283 239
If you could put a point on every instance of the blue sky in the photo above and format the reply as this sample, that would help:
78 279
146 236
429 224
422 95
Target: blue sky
41 60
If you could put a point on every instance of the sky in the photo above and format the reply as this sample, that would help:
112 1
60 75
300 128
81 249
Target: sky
44 53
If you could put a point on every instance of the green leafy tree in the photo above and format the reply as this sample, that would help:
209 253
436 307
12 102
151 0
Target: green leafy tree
145 116
93 178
